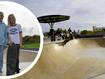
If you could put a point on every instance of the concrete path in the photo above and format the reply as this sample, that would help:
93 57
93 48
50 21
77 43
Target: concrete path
26 58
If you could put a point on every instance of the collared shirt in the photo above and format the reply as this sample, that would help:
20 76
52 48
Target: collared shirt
3 33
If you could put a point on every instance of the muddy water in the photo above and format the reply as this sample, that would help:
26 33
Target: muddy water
98 53
78 59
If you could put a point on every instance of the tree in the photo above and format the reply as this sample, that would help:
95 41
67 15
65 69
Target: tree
84 32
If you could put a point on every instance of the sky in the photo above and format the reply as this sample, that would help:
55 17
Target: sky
24 17
84 13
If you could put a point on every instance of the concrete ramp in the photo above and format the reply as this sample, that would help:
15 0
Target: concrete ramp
78 59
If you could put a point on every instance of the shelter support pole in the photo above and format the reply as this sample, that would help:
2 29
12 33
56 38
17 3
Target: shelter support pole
52 32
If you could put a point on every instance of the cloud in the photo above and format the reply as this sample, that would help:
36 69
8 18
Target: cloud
81 11
23 17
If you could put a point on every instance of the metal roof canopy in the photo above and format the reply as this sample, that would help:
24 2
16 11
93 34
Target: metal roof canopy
51 19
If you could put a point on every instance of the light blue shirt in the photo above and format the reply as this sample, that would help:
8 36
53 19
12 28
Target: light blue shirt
3 34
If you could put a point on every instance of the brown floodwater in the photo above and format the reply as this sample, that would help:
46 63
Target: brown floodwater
78 59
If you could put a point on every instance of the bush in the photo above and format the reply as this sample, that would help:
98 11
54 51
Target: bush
84 32
31 39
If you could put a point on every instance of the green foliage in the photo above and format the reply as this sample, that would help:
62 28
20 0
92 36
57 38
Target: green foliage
88 32
31 45
31 41
84 32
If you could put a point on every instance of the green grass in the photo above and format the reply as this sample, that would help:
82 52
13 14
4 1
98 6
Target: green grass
31 45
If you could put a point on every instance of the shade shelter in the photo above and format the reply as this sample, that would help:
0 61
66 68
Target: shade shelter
51 20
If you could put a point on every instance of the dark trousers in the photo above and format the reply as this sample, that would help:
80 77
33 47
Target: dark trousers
13 59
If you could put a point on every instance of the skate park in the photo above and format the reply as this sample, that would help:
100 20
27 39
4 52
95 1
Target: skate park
80 58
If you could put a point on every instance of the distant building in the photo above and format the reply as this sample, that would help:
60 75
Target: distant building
99 30
95 28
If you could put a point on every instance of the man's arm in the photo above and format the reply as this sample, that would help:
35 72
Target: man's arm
6 34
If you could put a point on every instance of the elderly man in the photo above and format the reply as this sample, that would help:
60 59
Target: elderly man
3 39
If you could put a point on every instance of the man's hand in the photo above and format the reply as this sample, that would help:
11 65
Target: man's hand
10 43
21 46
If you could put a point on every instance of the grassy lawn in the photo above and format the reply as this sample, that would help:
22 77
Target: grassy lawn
31 45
